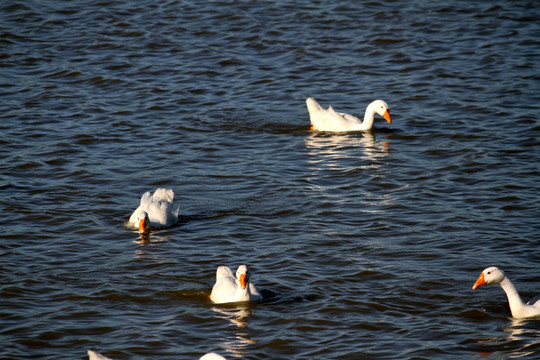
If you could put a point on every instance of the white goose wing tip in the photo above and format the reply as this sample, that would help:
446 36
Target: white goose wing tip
92 355
224 271
212 356
313 105
163 194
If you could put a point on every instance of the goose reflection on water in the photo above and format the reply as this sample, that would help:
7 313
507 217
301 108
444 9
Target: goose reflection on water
335 159
521 335
524 333
330 145
237 315
153 237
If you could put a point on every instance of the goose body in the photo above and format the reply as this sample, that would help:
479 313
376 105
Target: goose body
519 310
230 288
92 355
155 211
330 120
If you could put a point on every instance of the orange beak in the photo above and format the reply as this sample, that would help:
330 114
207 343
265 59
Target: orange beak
142 225
481 281
386 115
243 282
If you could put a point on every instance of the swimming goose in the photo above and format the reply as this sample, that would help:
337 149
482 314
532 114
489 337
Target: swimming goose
92 355
519 310
229 288
329 120
155 211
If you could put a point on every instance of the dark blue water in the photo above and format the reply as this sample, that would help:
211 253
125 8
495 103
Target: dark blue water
365 245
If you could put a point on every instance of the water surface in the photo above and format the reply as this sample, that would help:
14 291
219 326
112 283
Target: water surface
365 245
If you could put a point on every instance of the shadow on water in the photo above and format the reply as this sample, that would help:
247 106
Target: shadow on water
269 297
213 214
161 235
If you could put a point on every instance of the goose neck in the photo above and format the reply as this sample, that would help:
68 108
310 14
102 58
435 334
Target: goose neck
512 294
369 116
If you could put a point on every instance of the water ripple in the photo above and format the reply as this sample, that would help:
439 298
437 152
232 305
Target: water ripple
364 245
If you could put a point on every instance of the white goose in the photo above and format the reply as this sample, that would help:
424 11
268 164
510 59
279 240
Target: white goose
229 288
519 310
155 211
329 120
92 355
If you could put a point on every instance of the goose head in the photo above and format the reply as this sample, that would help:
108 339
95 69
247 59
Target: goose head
143 221
490 275
381 108
242 276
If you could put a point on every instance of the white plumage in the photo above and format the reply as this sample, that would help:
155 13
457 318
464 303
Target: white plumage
230 288
330 120
92 355
155 211
212 356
